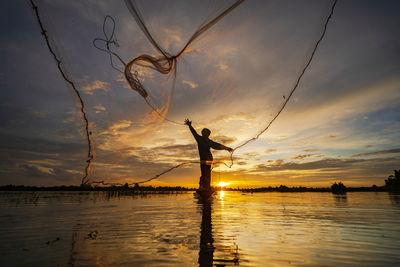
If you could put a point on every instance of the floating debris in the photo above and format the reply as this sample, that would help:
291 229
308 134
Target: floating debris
52 242
92 235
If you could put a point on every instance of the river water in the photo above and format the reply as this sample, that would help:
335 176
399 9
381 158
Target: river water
260 229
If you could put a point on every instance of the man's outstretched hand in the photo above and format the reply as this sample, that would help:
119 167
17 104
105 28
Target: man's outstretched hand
188 122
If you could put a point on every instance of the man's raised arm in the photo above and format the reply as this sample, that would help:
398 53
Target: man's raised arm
189 123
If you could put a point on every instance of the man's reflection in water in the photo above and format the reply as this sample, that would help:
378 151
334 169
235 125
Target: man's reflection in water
206 253
207 248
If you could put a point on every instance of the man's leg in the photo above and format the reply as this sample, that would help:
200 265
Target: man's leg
205 178
201 182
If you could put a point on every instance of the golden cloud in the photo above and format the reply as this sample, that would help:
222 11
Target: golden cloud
94 86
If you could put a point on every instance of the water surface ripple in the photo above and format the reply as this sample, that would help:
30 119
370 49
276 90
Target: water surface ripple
260 229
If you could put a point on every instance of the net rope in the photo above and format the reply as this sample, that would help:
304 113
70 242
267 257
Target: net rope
65 76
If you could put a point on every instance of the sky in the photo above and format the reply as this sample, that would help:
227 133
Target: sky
342 123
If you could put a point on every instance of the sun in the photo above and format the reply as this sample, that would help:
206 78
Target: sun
222 184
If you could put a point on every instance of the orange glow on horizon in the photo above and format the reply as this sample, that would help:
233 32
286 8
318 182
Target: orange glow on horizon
222 184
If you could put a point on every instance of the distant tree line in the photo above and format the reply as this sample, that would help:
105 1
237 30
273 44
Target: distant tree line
93 188
392 183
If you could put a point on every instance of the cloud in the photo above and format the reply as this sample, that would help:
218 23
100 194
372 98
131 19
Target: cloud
26 158
190 84
68 120
142 72
45 170
38 146
123 124
169 153
310 150
222 66
165 140
303 156
94 86
320 165
32 170
39 114
99 108
223 139
74 172
241 116
131 169
252 154
172 37
173 34
270 151
121 79
176 148
356 101
124 133
378 153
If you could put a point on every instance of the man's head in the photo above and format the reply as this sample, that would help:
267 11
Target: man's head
205 132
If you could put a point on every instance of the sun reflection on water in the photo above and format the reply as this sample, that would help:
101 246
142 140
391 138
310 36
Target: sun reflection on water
221 195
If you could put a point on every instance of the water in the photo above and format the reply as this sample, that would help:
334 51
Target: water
261 229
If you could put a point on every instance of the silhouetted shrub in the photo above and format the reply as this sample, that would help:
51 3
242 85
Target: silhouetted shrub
338 188
392 183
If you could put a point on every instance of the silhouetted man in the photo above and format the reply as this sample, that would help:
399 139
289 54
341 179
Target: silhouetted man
204 144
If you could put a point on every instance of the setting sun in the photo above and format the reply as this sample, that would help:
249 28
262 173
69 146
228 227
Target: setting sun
222 184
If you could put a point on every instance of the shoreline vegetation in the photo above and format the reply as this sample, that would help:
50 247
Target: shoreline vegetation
392 184
161 189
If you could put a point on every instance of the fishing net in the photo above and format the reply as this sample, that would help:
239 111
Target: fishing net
137 69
